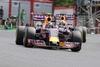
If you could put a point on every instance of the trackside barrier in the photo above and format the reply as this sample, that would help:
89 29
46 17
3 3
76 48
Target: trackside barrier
94 30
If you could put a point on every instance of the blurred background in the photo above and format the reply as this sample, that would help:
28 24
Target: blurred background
80 12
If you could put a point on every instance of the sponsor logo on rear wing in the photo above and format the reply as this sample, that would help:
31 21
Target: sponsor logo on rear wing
41 17
38 17
67 16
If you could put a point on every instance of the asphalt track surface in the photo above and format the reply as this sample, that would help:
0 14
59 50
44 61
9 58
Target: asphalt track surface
12 55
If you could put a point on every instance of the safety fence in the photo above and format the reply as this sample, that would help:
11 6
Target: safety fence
94 30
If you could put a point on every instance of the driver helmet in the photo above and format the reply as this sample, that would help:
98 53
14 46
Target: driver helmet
39 25
49 25
61 24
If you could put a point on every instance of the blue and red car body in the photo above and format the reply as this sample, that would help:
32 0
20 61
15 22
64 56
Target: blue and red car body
50 37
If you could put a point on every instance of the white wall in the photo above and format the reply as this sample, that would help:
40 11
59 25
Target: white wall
64 11
42 7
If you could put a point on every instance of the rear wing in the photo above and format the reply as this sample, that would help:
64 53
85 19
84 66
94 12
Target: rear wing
64 17
43 18
38 17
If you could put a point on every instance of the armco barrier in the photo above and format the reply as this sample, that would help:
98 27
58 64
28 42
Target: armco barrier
94 30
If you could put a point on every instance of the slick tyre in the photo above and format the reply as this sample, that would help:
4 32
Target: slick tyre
84 34
19 35
29 34
81 31
77 37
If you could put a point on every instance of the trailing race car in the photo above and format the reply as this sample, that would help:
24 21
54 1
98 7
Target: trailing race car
48 37
82 29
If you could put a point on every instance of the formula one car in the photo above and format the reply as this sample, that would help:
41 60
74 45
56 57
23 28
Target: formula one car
82 29
48 37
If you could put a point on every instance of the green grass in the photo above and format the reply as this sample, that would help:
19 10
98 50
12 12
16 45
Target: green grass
2 28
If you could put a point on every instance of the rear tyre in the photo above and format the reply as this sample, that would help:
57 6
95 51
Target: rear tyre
19 35
29 34
79 29
84 34
77 37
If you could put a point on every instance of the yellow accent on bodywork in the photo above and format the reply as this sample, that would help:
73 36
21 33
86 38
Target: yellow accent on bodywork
61 43
54 39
